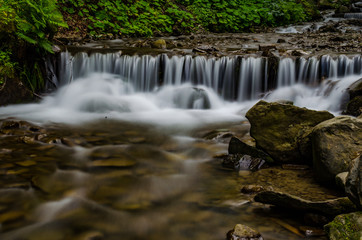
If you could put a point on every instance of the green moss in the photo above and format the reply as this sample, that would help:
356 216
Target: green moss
345 227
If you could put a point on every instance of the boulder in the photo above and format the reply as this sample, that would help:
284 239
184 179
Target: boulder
346 226
282 130
331 207
238 147
242 232
335 143
354 182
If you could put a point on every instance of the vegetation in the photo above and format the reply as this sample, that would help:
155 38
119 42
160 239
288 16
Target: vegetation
146 17
26 30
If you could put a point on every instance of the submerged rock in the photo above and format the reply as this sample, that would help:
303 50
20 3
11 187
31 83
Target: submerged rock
242 232
282 130
354 182
329 207
346 226
242 162
238 147
336 143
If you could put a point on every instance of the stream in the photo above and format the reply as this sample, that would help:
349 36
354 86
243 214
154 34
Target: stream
128 147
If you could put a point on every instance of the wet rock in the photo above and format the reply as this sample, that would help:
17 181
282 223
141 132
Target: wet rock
282 130
238 147
354 106
329 207
160 43
336 142
341 180
251 189
355 89
10 124
242 232
242 162
354 182
299 53
280 40
11 216
346 226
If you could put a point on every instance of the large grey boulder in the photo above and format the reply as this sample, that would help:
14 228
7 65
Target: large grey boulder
282 130
354 182
335 143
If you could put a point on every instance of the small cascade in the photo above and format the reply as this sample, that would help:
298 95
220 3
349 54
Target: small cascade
286 72
356 15
233 78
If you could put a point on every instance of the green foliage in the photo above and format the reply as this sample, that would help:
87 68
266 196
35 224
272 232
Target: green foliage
7 67
130 17
244 15
146 17
26 31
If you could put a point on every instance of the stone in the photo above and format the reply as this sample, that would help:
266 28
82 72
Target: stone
236 146
328 207
354 106
345 226
121 163
14 91
282 130
251 189
336 142
341 180
353 184
160 44
242 232
242 162
10 124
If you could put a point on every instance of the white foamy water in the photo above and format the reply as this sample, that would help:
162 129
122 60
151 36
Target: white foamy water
195 91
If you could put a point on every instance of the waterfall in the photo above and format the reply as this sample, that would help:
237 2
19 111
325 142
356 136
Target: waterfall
233 78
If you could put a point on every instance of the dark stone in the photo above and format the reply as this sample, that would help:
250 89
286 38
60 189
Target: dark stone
354 182
354 107
355 89
242 162
280 40
14 91
10 124
329 207
238 147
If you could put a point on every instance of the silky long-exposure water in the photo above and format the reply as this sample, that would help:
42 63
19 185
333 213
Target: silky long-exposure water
125 148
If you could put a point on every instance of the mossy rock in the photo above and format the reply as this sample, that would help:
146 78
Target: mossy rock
236 146
282 130
345 227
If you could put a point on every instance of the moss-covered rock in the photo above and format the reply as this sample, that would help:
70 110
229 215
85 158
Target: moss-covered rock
354 107
336 142
345 227
282 130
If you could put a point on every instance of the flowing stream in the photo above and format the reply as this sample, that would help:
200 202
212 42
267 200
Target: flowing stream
125 147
